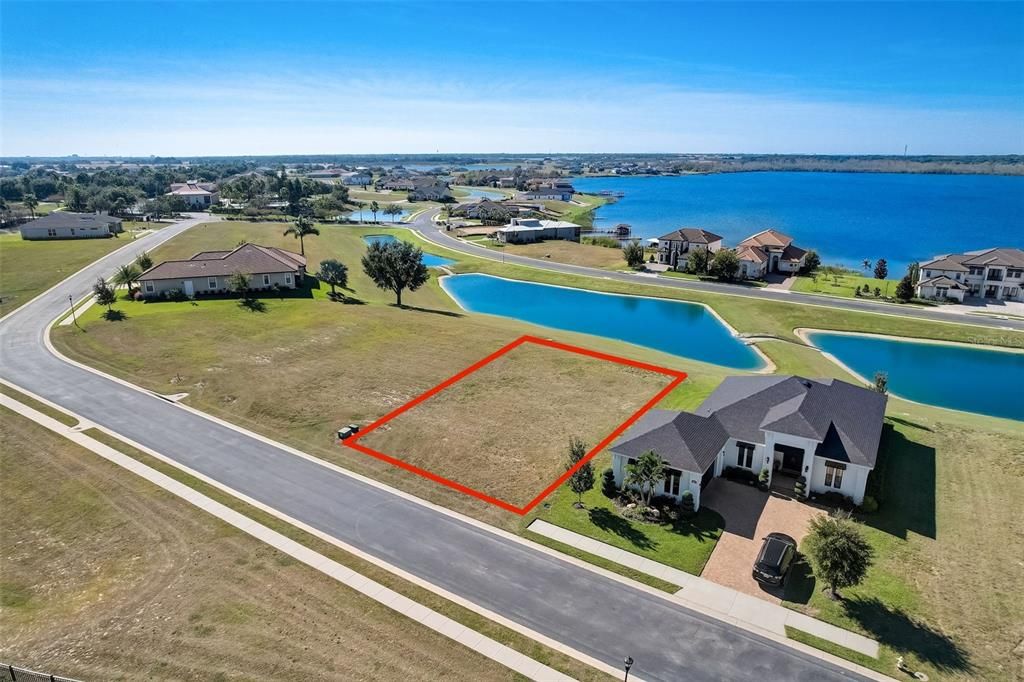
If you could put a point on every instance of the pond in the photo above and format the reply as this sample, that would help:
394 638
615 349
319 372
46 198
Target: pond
684 329
982 380
429 259
480 193
365 215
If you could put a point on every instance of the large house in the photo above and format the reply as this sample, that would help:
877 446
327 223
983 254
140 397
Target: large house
430 189
996 274
528 230
210 272
67 225
826 430
554 190
769 251
356 178
196 194
675 247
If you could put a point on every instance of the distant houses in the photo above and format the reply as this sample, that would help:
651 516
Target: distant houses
210 272
552 190
994 274
766 252
68 225
197 195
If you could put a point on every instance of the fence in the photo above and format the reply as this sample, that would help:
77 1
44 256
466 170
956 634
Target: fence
12 673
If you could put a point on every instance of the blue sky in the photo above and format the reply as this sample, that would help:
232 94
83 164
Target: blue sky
195 78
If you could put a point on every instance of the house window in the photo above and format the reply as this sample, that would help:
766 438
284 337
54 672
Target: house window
1014 274
266 280
745 455
995 275
928 274
51 232
287 279
672 478
211 283
834 474
976 271
150 288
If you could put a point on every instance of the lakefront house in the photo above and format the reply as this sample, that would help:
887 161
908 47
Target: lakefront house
995 274
675 247
769 251
823 430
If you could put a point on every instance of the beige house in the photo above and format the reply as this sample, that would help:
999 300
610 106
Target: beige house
199 195
529 230
68 225
769 251
996 274
210 272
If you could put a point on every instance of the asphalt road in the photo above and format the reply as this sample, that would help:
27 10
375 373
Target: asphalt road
594 614
425 225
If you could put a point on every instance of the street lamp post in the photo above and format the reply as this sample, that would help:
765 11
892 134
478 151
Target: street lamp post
71 302
627 664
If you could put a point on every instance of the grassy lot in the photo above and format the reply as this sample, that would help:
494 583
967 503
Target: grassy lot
562 251
844 285
28 268
580 210
684 544
748 283
107 576
44 207
467 432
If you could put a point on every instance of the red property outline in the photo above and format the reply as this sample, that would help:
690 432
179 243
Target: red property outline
351 442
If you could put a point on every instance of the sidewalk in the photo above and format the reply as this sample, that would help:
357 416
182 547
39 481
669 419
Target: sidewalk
722 602
452 629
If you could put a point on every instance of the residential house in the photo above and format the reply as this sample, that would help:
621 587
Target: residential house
430 189
529 230
395 183
356 178
210 272
487 211
67 225
507 183
675 247
824 430
996 274
553 190
769 251
197 195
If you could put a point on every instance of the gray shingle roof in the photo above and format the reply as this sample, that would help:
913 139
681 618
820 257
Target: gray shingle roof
250 259
685 441
1004 257
809 408
68 219
693 235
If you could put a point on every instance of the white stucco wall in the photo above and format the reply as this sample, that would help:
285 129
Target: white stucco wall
855 480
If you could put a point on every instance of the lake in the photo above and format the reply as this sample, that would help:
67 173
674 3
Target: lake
846 217
429 259
675 327
478 193
971 379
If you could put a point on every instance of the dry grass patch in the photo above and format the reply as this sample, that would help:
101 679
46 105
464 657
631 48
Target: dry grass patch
504 429
106 576
573 253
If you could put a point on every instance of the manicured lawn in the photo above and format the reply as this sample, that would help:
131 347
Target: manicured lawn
562 251
845 285
28 268
580 210
683 544
944 590
107 576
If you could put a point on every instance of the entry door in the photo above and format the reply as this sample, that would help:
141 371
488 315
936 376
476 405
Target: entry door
792 458
190 290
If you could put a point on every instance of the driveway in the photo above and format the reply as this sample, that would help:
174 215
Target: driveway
749 515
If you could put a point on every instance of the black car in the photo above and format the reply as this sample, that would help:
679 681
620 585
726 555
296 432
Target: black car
774 559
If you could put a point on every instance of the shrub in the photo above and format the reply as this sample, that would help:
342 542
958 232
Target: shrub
686 504
800 487
869 505
762 478
739 474
608 487
837 500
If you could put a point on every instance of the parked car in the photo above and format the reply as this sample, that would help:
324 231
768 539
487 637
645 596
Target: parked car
348 431
775 559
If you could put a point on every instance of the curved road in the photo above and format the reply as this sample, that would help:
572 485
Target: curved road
424 223
600 616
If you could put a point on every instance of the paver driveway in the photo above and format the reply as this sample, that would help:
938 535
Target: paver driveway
749 515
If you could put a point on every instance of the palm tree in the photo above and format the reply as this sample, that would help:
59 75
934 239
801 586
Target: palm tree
126 275
302 228
30 202
374 207
865 265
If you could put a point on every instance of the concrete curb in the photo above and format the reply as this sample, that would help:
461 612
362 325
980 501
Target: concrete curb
441 624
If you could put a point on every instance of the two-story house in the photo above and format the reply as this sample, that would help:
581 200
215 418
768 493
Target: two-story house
825 430
769 251
197 195
996 274
675 247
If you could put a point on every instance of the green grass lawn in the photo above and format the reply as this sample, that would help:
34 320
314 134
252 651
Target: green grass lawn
683 544
575 213
844 285
28 268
